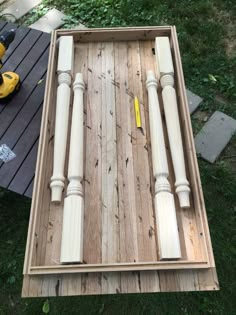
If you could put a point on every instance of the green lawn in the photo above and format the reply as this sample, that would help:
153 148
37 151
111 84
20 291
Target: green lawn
207 38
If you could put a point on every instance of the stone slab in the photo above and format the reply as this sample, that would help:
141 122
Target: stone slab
214 136
21 7
193 101
52 20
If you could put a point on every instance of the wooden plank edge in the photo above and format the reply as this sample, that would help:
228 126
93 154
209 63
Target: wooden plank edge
192 153
113 29
108 34
117 267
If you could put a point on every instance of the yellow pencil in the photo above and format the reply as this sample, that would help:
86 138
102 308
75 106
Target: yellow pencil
137 112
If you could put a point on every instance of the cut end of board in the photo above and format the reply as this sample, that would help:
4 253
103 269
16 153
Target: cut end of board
167 228
72 230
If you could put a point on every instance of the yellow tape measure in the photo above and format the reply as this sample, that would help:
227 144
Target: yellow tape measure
137 112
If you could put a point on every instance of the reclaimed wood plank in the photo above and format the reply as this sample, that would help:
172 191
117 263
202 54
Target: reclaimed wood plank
73 285
145 219
128 250
92 165
149 279
128 229
80 65
93 204
110 226
169 281
127 238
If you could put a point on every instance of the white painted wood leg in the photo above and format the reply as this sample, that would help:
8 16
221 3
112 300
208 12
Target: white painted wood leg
166 76
73 215
167 229
64 72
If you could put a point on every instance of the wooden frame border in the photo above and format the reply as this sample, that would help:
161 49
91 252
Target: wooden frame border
119 267
41 149
111 34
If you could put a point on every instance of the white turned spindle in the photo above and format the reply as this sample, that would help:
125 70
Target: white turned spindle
167 228
64 72
166 77
72 228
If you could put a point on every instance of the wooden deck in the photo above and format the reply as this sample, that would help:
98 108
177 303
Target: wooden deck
20 118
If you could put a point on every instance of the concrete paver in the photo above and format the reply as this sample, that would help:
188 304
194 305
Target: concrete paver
52 20
193 101
214 136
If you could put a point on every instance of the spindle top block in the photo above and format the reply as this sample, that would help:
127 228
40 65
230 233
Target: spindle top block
151 80
78 83
163 55
65 55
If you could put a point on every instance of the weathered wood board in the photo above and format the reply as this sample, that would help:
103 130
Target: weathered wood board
119 226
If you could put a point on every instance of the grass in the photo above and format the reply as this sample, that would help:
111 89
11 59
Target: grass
206 31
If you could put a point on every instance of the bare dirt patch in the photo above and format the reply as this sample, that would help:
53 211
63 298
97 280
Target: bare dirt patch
229 22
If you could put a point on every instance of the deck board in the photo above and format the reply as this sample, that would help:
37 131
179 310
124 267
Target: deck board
29 190
21 149
20 118
21 33
25 174
21 51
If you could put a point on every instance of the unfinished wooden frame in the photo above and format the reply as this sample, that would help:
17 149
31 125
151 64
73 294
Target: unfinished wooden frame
43 220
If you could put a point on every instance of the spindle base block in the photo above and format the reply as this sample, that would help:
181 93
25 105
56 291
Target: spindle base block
56 193
167 228
184 199
72 230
